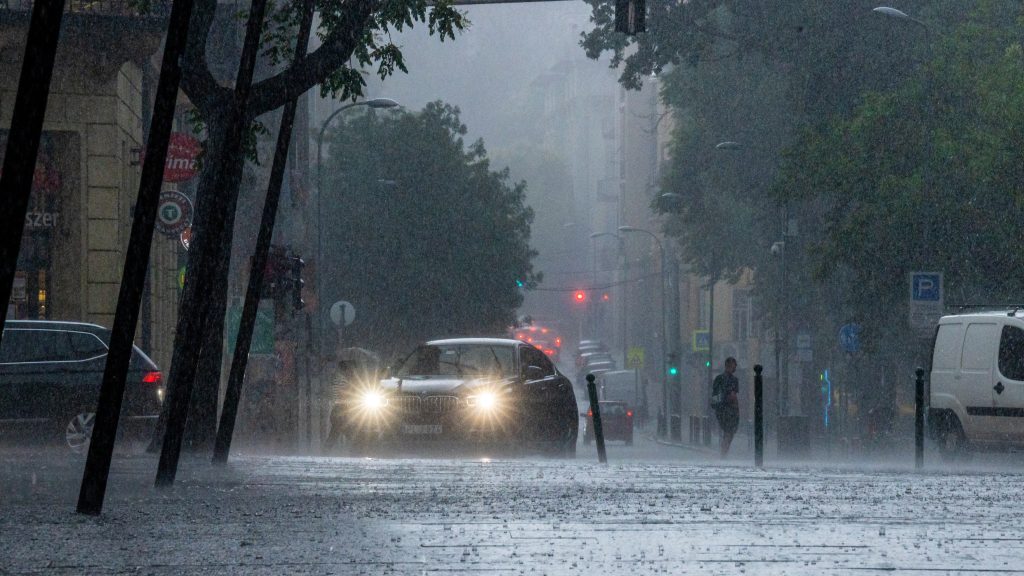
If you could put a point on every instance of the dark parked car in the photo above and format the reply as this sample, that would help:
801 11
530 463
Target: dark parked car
468 390
616 422
50 376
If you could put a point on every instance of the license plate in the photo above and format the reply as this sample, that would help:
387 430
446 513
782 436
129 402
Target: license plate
421 428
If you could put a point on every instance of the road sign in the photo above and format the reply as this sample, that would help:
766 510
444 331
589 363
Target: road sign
701 340
926 300
803 340
262 332
849 338
635 357
174 214
342 311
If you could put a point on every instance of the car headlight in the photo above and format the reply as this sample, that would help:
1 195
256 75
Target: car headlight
373 400
484 401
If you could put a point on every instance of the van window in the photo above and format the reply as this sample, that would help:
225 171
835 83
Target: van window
947 347
1011 353
979 347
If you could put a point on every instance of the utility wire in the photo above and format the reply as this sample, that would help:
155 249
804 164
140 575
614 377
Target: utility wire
596 286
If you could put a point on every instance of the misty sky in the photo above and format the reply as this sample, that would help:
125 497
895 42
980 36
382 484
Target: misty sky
488 68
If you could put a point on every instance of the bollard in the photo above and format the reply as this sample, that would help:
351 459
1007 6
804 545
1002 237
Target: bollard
919 419
595 410
758 417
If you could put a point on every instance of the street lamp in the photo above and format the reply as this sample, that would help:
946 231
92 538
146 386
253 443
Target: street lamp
622 256
777 249
664 321
373 103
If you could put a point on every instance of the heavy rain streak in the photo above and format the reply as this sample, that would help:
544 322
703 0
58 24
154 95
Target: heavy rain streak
523 287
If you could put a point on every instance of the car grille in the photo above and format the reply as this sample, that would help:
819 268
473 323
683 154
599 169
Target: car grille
439 404
408 404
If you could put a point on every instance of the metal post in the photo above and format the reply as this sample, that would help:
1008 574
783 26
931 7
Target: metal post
23 139
108 407
239 360
595 410
919 419
711 340
758 417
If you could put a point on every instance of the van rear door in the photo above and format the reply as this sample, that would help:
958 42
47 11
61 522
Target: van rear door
976 380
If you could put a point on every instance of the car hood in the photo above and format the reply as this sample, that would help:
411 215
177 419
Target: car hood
437 386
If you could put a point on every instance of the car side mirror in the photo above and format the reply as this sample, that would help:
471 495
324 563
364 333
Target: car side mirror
533 373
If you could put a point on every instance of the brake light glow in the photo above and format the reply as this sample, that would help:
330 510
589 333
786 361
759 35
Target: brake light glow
590 413
629 413
153 378
558 341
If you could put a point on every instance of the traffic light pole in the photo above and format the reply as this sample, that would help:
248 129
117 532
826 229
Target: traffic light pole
246 325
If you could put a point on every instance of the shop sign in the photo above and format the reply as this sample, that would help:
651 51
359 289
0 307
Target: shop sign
182 158
186 237
41 219
174 214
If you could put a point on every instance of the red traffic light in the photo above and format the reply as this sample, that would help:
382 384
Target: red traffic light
580 296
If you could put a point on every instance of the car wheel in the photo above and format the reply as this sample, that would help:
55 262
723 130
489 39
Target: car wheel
564 444
953 445
78 430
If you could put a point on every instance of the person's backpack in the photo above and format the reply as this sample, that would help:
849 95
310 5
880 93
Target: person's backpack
717 394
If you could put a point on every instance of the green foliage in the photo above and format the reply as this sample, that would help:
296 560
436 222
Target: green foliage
375 47
420 234
925 177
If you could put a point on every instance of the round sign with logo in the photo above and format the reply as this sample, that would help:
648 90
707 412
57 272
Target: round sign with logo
174 214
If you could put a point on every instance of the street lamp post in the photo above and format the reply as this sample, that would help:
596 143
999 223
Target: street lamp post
666 404
622 257
778 249
320 269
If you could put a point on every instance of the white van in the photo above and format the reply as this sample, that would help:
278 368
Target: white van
977 382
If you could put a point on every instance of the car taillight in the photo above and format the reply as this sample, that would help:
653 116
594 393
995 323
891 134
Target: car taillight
152 378
590 413
629 413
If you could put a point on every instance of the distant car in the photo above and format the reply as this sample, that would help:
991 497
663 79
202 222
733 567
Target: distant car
50 377
616 422
491 391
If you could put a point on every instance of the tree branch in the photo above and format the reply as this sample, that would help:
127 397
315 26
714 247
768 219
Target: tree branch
274 92
197 81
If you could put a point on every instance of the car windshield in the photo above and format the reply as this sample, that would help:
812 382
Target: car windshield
459 360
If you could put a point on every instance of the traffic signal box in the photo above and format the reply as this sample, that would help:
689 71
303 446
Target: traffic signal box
283 276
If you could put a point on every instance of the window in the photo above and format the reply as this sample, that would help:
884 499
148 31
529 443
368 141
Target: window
1011 353
34 346
742 316
85 346
978 347
532 357
947 347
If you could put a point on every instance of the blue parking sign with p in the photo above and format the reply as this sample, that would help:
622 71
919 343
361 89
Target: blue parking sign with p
926 287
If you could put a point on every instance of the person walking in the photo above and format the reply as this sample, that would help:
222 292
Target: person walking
725 402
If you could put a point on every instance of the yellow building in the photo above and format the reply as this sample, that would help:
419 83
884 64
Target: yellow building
87 173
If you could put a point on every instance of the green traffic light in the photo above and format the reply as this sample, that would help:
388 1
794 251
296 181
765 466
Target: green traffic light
707 363
673 371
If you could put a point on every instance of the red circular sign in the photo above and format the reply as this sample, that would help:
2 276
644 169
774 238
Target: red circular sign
182 157
182 154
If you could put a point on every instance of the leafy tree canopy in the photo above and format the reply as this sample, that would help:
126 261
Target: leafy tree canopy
420 234
926 177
